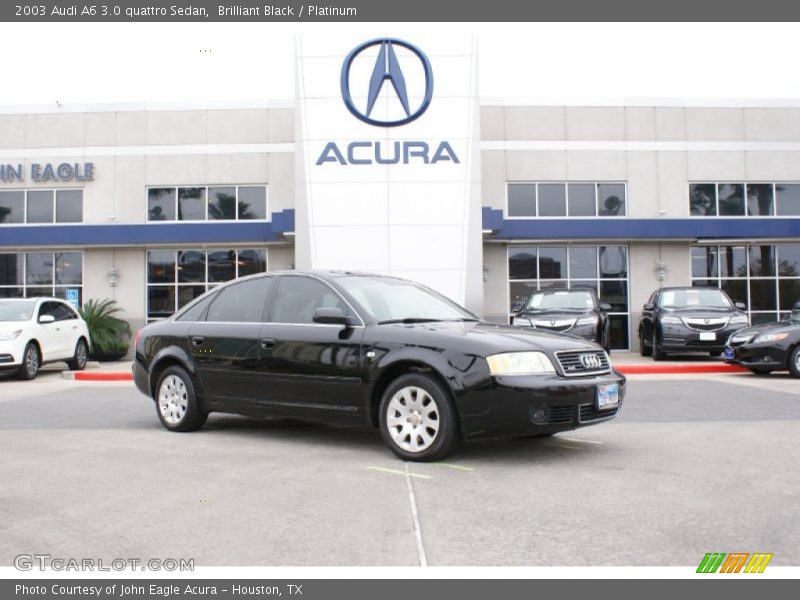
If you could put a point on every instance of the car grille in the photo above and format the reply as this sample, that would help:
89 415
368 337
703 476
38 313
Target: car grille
559 325
575 363
560 414
705 324
589 413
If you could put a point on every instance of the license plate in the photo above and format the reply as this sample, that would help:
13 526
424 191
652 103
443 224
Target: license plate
728 353
607 396
708 336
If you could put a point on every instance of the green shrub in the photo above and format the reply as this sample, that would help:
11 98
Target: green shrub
108 333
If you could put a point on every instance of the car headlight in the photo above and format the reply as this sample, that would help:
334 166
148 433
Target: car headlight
770 337
520 363
586 321
9 335
739 319
521 322
671 321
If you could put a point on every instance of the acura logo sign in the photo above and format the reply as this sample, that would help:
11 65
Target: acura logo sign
591 361
386 72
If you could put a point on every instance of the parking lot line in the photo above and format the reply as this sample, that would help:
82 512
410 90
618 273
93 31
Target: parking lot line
423 560
452 466
579 440
399 472
559 444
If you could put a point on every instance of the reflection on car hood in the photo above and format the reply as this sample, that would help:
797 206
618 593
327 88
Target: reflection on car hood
776 327
484 338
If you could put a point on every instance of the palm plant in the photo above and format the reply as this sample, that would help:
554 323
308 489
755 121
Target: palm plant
109 333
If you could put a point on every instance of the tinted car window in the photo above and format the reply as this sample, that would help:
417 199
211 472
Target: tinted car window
49 308
62 312
299 297
196 310
241 302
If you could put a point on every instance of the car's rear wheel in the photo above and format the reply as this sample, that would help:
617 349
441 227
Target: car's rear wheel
644 349
656 351
417 418
31 361
760 371
794 362
176 401
80 356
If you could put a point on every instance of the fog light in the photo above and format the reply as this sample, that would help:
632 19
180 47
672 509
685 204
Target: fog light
540 415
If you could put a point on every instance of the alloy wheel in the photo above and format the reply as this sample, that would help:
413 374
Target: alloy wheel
173 399
412 418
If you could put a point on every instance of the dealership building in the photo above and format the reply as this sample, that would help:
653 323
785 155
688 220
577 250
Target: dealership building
387 160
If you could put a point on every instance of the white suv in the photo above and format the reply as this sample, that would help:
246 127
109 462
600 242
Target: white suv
35 331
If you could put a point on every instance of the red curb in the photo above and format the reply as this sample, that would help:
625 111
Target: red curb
104 376
677 369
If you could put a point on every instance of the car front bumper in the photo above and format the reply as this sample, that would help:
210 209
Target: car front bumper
11 355
540 405
680 339
763 356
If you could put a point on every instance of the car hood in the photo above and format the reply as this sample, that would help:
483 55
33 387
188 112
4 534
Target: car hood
6 326
699 311
484 338
776 327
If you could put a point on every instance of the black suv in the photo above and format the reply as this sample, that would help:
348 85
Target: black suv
688 319
577 312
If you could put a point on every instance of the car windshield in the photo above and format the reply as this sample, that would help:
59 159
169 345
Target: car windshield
694 297
16 311
391 300
562 299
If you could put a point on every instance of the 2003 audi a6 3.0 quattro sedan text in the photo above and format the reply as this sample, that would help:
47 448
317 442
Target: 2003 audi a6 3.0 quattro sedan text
359 349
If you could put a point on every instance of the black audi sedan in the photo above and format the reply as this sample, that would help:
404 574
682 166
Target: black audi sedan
357 349
688 319
577 312
769 347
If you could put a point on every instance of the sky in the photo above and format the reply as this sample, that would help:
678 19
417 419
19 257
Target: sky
576 62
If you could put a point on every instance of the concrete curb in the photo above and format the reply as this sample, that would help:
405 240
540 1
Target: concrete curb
631 369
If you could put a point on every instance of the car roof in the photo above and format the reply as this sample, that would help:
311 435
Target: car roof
34 299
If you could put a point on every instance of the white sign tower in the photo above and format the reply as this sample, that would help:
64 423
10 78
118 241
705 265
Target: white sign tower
388 160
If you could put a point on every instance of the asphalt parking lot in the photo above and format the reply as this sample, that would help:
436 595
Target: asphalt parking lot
693 464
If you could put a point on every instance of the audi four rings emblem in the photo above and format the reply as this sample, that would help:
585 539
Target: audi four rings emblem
591 361
387 67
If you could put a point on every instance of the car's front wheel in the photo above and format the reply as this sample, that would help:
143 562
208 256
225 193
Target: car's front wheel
176 401
794 362
417 418
79 357
657 352
31 361
644 349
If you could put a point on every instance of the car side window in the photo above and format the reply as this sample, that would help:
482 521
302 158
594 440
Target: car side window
196 311
241 302
299 297
48 308
63 312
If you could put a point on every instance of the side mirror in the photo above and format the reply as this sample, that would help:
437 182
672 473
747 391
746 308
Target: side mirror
740 305
605 306
331 316
44 319
648 306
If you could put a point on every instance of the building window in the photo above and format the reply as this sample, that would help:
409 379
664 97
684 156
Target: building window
207 203
744 199
561 199
31 274
176 277
766 277
602 268
41 206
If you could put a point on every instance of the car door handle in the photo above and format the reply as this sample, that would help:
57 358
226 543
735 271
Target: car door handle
267 343
198 340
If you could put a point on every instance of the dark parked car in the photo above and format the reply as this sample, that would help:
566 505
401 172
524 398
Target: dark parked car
769 347
688 319
577 312
359 349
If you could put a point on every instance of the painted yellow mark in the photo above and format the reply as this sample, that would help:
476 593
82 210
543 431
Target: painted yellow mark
397 472
580 440
454 467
